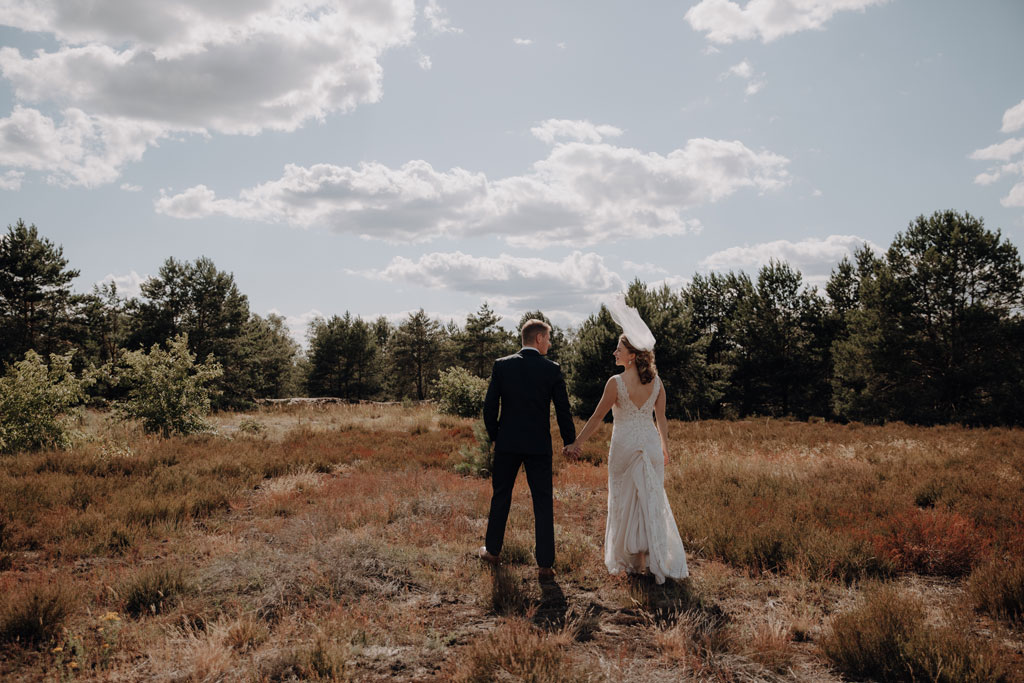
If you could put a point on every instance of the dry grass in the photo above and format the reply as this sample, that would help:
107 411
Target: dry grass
335 543
888 638
998 589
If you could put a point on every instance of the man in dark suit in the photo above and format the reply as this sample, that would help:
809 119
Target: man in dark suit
517 417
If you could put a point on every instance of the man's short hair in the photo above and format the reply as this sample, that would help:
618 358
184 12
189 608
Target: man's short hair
532 328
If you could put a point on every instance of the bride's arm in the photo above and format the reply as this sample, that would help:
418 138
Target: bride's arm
659 413
603 406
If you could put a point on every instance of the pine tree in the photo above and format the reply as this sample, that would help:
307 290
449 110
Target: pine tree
415 355
36 301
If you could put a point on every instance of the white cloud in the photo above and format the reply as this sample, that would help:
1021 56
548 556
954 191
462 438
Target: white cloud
1001 151
128 187
814 257
436 17
1013 118
633 267
129 285
1010 151
80 150
1016 196
580 194
522 41
152 70
298 325
11 180
744 70
561 46
584 131
425 63
509 281
753 87
725 21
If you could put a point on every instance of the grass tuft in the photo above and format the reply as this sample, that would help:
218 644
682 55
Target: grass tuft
517 650
150 590
33 615
998 589
887 638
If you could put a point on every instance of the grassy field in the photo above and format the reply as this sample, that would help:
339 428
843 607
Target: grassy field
338 543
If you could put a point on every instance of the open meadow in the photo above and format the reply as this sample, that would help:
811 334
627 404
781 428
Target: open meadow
337 543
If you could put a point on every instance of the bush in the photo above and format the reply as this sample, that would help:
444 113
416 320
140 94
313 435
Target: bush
460 392
998 589
888 639
35 614
477 459
931 541
34 403
167 389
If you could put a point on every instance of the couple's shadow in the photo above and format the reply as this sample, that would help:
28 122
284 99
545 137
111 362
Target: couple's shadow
511 596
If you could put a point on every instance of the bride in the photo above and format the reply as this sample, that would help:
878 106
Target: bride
640 531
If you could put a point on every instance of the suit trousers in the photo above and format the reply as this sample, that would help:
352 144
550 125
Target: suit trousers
538 477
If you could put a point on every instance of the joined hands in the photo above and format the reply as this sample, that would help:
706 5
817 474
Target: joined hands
572 451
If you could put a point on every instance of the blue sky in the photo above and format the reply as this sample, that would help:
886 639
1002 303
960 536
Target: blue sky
378 157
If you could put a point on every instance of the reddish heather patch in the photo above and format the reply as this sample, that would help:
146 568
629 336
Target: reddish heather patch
932 542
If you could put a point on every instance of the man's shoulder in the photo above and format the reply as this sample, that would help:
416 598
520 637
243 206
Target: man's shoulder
509 358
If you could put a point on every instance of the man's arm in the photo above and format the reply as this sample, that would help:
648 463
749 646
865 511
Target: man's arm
491 401
563 414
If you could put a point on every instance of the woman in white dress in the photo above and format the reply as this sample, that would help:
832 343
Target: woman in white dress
640 531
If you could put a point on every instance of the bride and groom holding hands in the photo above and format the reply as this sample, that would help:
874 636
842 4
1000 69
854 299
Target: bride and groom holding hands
640 531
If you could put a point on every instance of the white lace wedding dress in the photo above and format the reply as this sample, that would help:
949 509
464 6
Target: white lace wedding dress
639 517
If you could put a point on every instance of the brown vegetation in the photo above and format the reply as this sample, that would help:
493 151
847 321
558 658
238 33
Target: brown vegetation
336 543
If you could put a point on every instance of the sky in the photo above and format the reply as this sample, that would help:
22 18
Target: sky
382 156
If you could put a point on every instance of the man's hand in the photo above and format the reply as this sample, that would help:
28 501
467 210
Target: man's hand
572 451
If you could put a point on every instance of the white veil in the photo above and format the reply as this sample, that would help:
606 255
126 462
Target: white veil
633 326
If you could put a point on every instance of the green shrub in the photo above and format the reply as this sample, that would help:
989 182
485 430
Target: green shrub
460 392
167 389
477 459
888 639
35 401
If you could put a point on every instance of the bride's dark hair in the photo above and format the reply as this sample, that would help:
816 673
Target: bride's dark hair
644 361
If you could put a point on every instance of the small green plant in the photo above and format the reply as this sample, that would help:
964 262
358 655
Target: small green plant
460 392
251 426
477 459
167 389
36 401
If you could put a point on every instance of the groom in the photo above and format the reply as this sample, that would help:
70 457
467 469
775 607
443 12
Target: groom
517 417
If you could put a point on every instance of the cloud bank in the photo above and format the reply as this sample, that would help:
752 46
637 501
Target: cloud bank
581 194
725 21
813 257
126 75
1010 153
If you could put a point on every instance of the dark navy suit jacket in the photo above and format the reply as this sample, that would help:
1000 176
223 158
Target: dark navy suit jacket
517 408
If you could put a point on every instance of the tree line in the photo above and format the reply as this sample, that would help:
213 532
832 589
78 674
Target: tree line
930 331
